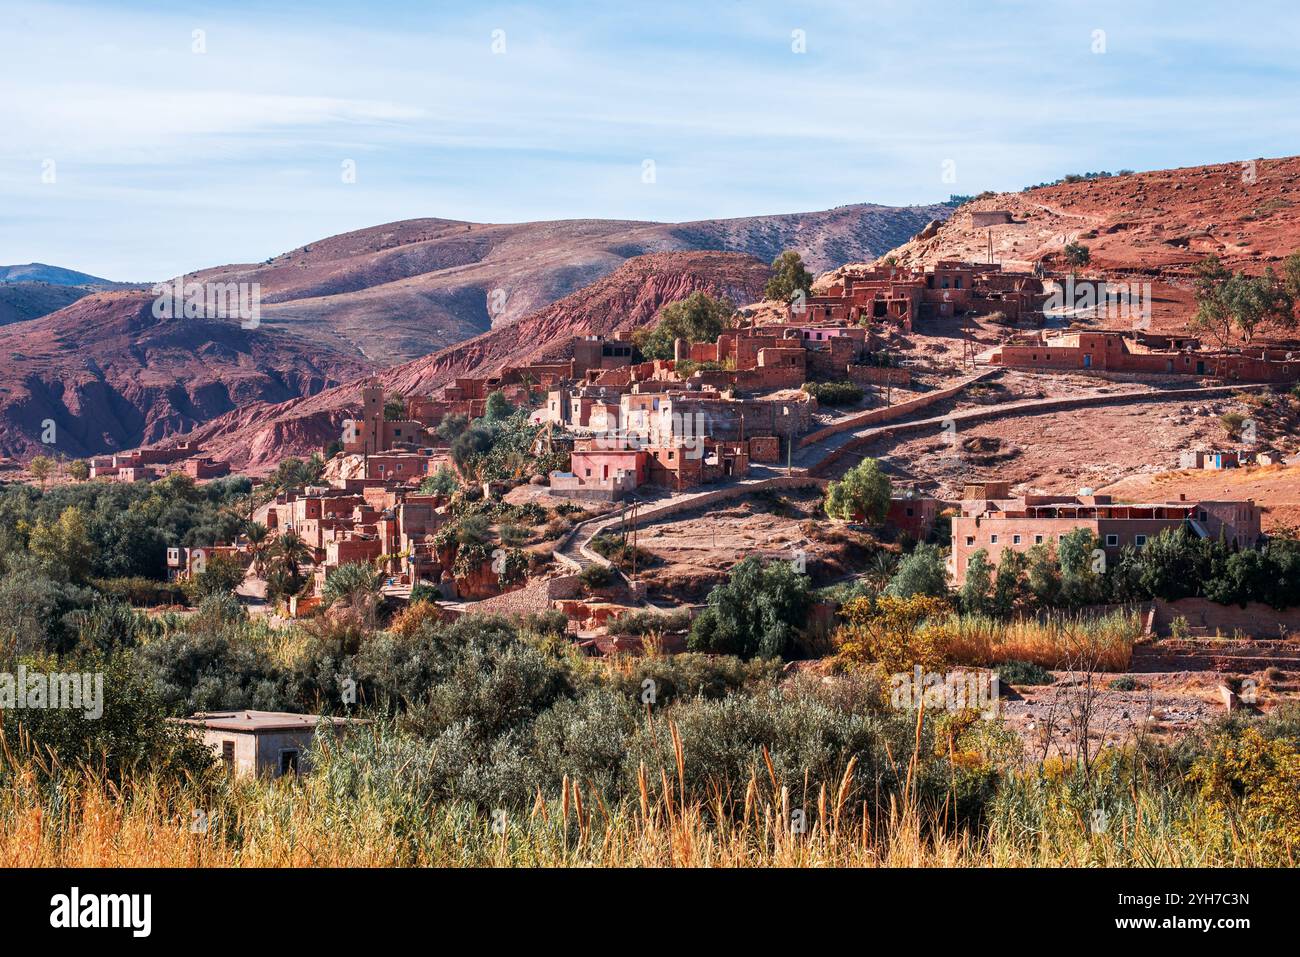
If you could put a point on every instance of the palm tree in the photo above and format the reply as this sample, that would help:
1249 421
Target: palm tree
292 552
881 570
358 584
259 543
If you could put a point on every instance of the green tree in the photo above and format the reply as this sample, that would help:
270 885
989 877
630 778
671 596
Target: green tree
1077 256
259 544
1043 576
863 494
132 734
64 546
920 573
356 584
497 407
41 467
443 482
1080 583
788 276
221 575
452 426
697 318
394 408
1229 302
79 470
291 552
757 612
1010 589
1213 314
1173 565
974 594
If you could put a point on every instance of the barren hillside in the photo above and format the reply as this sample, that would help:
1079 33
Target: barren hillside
110 376
402 290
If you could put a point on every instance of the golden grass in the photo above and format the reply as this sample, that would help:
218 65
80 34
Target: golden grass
1060 642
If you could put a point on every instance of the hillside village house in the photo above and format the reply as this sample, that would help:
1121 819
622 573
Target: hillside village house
1107 350
992 520
902 295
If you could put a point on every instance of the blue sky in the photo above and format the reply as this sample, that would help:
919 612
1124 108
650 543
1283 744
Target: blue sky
164 159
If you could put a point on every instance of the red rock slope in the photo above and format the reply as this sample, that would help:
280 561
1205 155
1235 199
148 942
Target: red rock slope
110 376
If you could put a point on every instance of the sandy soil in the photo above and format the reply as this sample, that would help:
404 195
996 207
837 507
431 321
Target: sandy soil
1276 488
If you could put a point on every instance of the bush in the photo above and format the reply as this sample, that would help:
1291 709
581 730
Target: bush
1023 673
595 577
131 735
834 393
650 622
1125 683
887 633
920 573
757 612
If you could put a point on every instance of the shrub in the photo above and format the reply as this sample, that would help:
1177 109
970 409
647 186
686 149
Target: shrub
887 632
1023 673
1125 683
834 393
920 573
595 577
758 611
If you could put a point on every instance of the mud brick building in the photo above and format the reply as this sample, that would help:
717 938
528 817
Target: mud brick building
995 524
1127 352
901 296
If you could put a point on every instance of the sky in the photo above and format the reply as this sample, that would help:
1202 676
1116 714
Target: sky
140 140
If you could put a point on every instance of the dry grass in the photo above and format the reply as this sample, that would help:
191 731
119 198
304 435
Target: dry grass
1058 642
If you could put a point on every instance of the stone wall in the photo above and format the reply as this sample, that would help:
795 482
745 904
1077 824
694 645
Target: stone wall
1204 616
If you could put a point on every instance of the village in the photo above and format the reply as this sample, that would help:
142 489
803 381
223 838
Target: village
644 446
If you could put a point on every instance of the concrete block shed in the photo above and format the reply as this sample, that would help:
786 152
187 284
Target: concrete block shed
263 743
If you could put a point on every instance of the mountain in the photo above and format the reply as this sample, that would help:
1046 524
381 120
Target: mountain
255 438
54 275
111 376
395 292
21 301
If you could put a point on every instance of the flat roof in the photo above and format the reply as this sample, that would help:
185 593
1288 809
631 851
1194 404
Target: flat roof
253 722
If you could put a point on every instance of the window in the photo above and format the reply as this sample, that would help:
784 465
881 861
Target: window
289 762
1112 540
993 539
588 475
970 540
670 455
910 511
1038 539
228 754
1139 540
1015 539
1205 516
